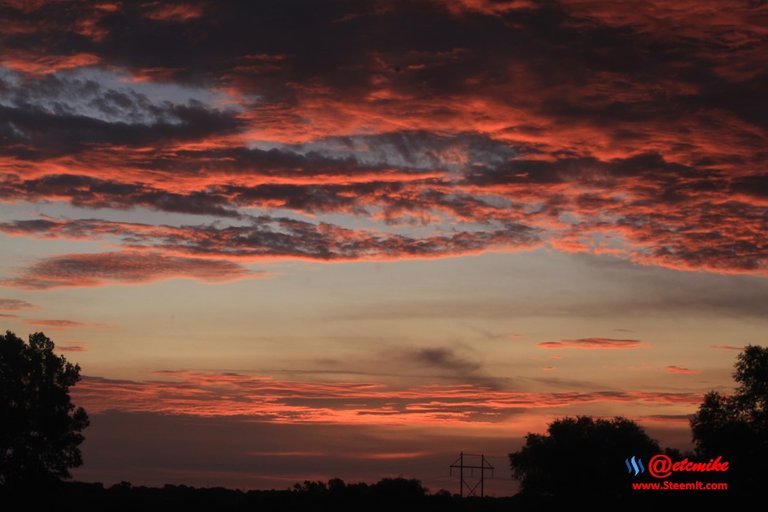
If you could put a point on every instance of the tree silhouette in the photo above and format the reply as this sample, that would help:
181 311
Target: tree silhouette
580 457
39 426
736 426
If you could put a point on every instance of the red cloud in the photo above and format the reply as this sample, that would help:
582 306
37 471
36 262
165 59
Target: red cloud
592 343
100 269
265 238
589 156
490 7
37 64
681 370
361 455
178 12
670 419
281 401
390 455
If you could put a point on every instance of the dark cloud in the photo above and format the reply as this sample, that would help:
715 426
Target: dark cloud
445 359
85 97
270 237
453 367
752 186
85 191
628 128
31 133
71 348
305 198
51 116
414 149
288 237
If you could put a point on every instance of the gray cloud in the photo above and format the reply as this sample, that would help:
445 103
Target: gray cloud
452 367
53 115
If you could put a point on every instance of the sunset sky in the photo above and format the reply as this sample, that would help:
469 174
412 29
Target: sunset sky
301 239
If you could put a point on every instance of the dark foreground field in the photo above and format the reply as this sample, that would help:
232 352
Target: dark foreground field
394 495
388 494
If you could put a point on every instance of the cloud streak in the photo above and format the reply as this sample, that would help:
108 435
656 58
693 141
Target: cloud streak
284 401
679 370
99 269
72 348
57 324
279 237
592 344
14 305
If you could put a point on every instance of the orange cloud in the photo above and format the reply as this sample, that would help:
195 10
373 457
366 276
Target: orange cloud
592 344
58 324
282 401
491 7
680 370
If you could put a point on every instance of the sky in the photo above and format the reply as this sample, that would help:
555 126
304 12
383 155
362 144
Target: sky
294 240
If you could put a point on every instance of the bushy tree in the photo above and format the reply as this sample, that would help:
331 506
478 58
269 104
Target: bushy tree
40 428
580 457
736 426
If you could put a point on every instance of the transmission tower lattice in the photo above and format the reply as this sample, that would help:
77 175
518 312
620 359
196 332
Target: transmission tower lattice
469 462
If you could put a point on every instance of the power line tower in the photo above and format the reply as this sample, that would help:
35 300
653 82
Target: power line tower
471 462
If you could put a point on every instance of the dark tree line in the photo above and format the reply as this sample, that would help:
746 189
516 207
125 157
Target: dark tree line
736 426
577 459
584 458
40 428
580 457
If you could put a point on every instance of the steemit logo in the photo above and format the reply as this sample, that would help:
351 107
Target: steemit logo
634 464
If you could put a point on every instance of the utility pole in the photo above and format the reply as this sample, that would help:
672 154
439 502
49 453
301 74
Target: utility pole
481 464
